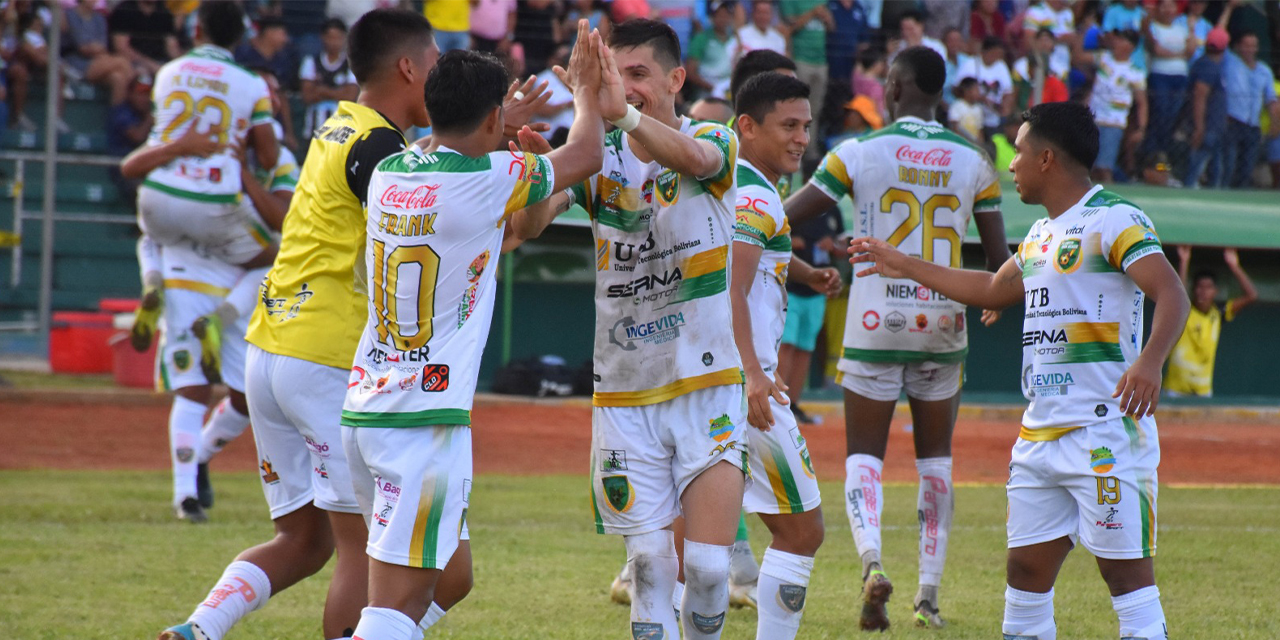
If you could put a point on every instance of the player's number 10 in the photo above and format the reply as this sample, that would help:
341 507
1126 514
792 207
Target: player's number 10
386 302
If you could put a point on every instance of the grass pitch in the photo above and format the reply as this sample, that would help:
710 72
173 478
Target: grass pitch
99 555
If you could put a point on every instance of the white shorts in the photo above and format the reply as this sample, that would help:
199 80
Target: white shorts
294 406
178 356
885 381
414 487
227 232
643 458
784 481
1097 484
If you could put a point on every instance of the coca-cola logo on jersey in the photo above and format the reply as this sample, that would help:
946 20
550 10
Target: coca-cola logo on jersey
926 157
421 197
214 70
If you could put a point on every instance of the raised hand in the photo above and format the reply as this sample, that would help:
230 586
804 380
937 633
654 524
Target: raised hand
530 142
882 258
1184 253
520 104
613 96
1232 258
584 62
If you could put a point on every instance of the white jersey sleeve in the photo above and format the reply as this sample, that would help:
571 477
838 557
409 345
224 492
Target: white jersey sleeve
762 223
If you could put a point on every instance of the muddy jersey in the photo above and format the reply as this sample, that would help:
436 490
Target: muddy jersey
1083 326
915 185
208 87
663 317
761 222
434 236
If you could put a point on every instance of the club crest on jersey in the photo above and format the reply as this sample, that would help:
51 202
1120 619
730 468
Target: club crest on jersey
618 493
668 188
1068 258
1101 460
182 359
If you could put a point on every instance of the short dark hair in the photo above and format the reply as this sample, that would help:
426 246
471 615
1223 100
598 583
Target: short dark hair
463 88
992 42
1069 126
1202 274
380 35
221 22
642 31
333 23
965 84
269 22
761 94
755 63
870 56
926 67
1131 35
1046 31
911 14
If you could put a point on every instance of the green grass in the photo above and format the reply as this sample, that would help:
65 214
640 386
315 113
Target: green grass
98 555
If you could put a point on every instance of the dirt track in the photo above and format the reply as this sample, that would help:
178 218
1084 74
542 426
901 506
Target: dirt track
554 438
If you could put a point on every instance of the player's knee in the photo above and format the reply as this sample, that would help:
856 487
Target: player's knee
653 557
1026 573
307 536
196 393
706 566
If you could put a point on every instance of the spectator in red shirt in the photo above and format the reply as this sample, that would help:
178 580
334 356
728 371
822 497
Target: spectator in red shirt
986 20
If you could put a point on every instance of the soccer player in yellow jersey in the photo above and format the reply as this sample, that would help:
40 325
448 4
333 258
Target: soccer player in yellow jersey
303 337
1190 370
1084 466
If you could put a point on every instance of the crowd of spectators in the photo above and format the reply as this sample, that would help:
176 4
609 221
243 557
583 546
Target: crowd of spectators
1183 90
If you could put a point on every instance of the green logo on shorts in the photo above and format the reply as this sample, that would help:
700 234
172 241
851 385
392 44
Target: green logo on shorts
182 360
617 490
721 428
1101 460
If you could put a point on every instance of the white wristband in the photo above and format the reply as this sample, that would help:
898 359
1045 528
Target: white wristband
629 122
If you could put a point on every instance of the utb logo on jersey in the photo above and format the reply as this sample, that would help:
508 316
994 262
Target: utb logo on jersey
1101 460
1068 259
721 428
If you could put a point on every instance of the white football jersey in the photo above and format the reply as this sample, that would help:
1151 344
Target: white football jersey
1083 326
914 185
435 224
208 87
761 222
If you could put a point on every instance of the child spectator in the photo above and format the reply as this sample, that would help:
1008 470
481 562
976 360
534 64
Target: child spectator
965 115
1195 24
992 74
1126 15
956 57
1118 86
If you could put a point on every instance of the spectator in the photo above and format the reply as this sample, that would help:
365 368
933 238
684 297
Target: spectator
679 15
1249 87
1195 24
942 15
1273 148
911 28
965 115
1056 17
985 21
851 29
1118 86
1045 46
868 77
1190 370
759 32
590 10
992 74
808 21
493 25
33 54
1126 15
1208 113
128 125
956 57
327 78
1025 79
1171 46
709 63
538 32
1158 172
711 109
143 31
860 117
15 67
88 54
268 49
450 22
1241 17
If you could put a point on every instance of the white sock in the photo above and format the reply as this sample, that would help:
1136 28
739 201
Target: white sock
677 596
185 419
784 583
244 295
863 504
1141 616
377 623
226 424
706 591
654 567
434 614
150 264
742 564
1028 616
242 589
935 505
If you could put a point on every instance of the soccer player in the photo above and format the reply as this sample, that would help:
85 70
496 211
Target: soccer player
436 222
773 119
1190 370
914 184
1084 465
668 417
303 336
198 199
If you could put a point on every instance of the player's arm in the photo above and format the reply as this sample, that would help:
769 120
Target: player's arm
143 160
272 205
1249 294
1184 264
364 156
824 280
745 263
807 203
976 288
266 148
1139 387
